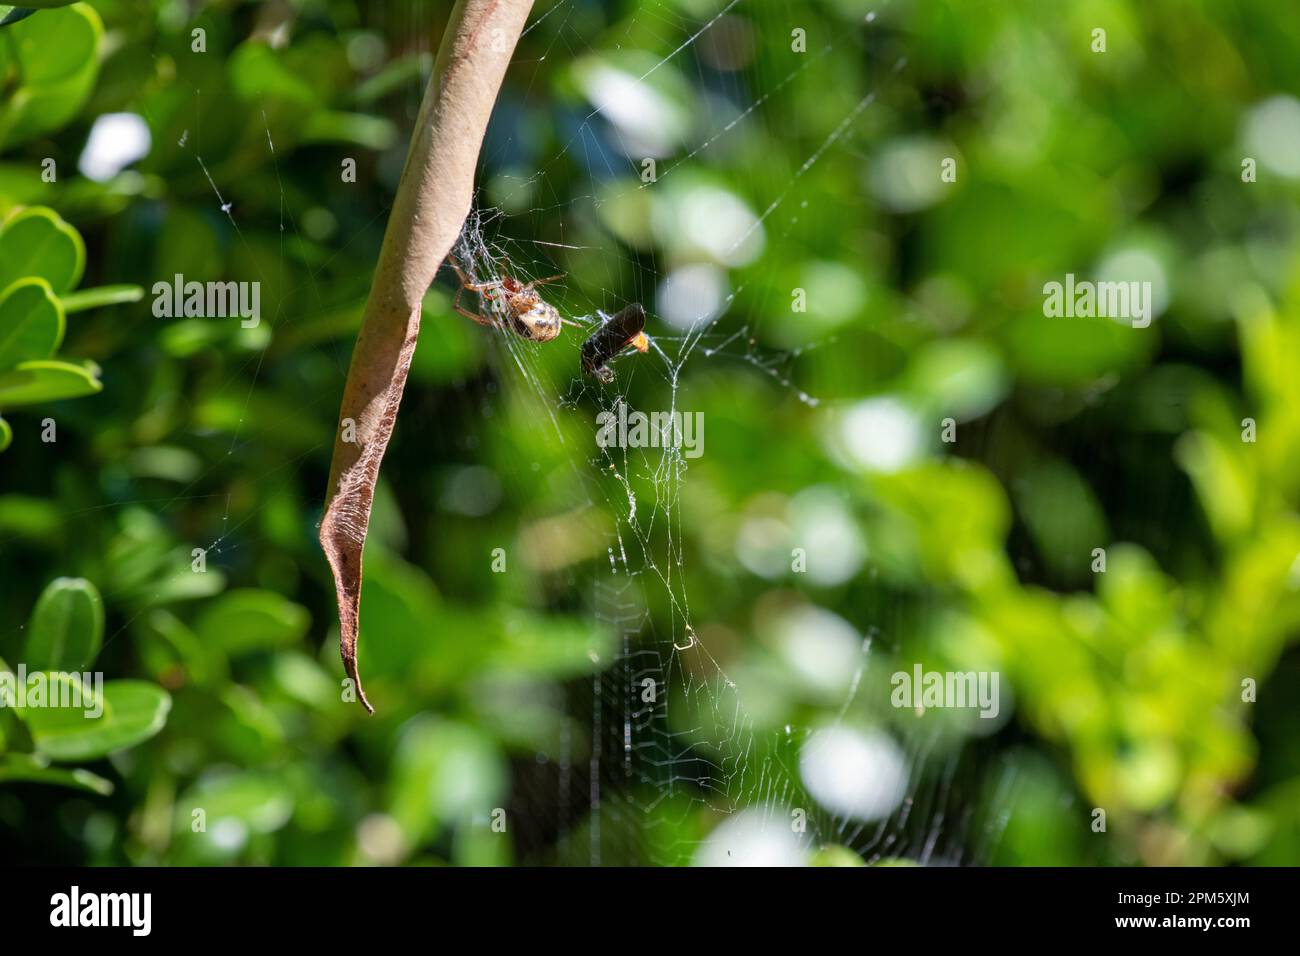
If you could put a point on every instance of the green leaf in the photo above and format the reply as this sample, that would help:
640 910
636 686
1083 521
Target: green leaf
451 352
403 71
248 620
57 63
133 711
167 642
11 14
1062 516
24 768
402 617
836 855
47 381
101 296
258 73
442 771
67 626
1073 353
31 322
51 49
262 803
52 702
959 377
37 242
555 646
6 434
368 132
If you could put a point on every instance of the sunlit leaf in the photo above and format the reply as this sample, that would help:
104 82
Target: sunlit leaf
57 65
47 381
31 322
132 712
37 242
66 627
247 620
24 768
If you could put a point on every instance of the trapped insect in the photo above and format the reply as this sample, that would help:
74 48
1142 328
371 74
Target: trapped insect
615 334
529 315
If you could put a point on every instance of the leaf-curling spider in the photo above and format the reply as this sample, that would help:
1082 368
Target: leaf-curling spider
529 315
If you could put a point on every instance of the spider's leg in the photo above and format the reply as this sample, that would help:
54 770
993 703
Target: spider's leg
455 304
537 282
460 273
477 318
466 283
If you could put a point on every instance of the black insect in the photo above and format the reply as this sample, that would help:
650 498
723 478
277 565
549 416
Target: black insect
617 333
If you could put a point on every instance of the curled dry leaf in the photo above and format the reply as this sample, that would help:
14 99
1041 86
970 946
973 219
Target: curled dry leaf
432 201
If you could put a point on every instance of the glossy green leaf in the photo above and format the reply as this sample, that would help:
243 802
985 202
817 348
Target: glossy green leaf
442 771
247 620
11 14
962 378
37 242
403 616
57 63
6 434
836 855
53 48
24 768
257 73
51 703
31 322
167 643
368 132
132 712
47 381
1074 352
557 646
1063 517
66 627
260 802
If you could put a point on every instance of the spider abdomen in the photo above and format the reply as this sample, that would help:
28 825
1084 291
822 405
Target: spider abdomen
534 319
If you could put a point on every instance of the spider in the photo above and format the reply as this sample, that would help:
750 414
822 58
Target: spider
531 317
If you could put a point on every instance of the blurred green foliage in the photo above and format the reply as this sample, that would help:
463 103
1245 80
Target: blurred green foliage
41 260
188 490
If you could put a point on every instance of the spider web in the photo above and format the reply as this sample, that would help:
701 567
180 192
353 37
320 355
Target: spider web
670 752
671 732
